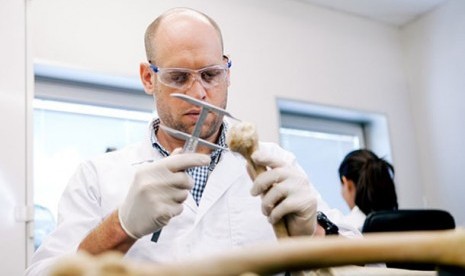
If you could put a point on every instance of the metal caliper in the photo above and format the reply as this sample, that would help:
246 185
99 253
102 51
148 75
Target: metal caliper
193 140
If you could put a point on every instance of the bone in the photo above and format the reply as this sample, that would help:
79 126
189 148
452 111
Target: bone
84 264
243 139
442 247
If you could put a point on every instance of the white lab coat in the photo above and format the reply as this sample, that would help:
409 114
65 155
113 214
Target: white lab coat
356 218
227 217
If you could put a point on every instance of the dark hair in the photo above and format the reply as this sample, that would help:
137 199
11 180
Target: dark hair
373 178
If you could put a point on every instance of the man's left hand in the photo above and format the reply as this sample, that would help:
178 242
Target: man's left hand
286 194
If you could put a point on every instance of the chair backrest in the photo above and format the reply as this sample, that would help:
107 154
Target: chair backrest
408 220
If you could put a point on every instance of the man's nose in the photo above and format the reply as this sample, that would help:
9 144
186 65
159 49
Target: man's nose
197 90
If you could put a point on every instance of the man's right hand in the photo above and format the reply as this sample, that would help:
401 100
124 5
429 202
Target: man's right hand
157 193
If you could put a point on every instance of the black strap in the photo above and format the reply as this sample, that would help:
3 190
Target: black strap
156 235
329 226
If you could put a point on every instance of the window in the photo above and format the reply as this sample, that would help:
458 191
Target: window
320 137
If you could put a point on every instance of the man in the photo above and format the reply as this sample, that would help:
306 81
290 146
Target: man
151 202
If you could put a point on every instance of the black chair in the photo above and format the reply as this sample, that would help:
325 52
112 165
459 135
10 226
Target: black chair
408 220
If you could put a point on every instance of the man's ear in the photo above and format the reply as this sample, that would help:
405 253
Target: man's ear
226 58
147 76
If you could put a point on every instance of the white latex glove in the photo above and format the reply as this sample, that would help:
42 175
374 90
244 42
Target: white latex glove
286 193
157 193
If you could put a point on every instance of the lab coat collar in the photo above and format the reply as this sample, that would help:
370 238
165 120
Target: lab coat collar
226 173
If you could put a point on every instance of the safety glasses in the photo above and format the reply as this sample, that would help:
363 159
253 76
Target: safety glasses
183 78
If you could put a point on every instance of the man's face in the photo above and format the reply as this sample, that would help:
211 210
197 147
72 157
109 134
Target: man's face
191 44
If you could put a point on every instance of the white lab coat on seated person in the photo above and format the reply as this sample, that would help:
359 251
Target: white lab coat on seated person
227 217
356 218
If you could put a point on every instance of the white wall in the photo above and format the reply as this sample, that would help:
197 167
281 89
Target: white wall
435 59
15 80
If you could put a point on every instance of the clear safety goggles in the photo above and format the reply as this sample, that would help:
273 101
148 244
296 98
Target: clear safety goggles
183 78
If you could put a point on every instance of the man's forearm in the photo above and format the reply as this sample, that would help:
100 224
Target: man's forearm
109 235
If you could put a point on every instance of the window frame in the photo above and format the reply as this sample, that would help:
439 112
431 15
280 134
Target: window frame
90 88
371 128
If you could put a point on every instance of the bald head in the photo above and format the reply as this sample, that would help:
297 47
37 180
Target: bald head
172 15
